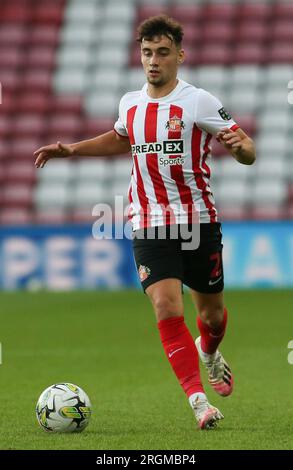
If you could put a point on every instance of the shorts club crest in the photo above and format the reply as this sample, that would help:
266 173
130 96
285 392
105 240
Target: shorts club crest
143 272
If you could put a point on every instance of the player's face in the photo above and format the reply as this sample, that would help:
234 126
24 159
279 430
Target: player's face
160 59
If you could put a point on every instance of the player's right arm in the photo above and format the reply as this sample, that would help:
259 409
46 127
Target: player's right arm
110 143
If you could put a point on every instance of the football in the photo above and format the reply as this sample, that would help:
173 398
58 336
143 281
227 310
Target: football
63 407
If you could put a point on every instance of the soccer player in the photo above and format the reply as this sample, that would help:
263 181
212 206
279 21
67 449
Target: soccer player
168 126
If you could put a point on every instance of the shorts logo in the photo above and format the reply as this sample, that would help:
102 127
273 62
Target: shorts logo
167 147
211 282
143 272
224 114
175 124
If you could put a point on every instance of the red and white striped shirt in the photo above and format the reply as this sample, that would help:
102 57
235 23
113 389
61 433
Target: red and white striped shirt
170 139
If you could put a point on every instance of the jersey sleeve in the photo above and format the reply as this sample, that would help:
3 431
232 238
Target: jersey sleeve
211 116
120 125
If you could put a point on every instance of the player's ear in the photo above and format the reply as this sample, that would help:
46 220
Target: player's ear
181 57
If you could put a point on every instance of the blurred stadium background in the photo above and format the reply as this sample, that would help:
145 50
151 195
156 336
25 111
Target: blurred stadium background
63 67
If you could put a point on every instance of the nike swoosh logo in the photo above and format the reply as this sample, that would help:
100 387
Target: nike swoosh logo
176 350
211 283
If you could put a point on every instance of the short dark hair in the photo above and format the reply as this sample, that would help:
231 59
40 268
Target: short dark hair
161 25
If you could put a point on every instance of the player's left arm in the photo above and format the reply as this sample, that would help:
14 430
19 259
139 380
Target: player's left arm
238 144
212 117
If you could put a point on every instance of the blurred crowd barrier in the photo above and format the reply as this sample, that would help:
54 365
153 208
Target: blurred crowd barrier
256 255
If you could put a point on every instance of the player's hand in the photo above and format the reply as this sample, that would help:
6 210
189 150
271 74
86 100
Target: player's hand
58 150
230 139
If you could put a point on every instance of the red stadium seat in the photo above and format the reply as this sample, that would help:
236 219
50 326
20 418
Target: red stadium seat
66 138
9 102
247 122
11 57
11 80
51 216
289 211
236 213
215 53
281 53
17 195
283 9
27 57
41 56
94 127
220 12
5 149
2 172
186 14
35 79
15 216
23 148
20 172
192 35
65 124
35 102
66 104
12 35
24 4
290 193
282 31
256 31
145 11
15 12
135 59
6 125
15 3
82 215
246 53
43 36
29 124
268 213
192 55
217 31
254 11
48 13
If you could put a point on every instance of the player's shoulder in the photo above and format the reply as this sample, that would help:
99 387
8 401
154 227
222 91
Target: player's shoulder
206 95
191 90
198 92
129 97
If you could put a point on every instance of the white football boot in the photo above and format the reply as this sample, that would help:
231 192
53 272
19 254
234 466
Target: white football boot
206 415
220 375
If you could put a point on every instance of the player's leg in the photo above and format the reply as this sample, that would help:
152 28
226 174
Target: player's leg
160 269
211 322
203 274
166 298
178 344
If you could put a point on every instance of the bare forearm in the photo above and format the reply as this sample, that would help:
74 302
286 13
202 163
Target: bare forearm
246 154
103 145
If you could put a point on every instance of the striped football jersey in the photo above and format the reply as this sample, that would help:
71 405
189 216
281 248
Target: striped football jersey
170 142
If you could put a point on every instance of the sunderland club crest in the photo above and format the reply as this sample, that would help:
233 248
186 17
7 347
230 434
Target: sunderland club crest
143 272
175 124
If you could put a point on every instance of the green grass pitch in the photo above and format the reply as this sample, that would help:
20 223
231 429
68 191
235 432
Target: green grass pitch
108 344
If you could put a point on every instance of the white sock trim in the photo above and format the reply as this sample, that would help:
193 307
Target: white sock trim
195 396
205 356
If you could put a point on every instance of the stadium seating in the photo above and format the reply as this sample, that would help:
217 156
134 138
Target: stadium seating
64 65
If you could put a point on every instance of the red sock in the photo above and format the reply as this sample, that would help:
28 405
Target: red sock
181 353
211 337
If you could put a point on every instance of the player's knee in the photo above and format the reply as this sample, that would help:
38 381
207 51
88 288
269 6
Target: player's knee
165 307
213 317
